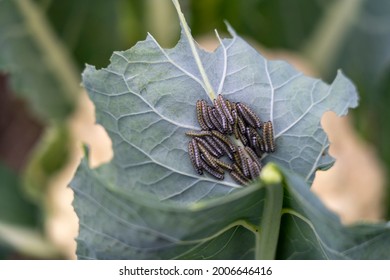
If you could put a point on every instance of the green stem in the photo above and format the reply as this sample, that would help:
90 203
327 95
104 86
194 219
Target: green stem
267 239
194 51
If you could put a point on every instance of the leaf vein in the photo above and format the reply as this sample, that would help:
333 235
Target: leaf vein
177 65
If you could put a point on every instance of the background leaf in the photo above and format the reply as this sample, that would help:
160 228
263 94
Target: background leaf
48 157
275 23
14 207
39 68
92 29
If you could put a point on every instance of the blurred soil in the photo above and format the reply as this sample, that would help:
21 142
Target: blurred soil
19 130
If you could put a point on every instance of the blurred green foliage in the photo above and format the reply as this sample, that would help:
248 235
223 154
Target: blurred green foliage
93 29
39 69
364 55
276 24
49 156
46 43
41 72
14 206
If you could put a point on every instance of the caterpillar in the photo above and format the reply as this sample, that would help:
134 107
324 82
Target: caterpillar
269 136
222 104
199 115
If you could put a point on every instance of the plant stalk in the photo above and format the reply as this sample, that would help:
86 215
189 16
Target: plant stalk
267 239
194 51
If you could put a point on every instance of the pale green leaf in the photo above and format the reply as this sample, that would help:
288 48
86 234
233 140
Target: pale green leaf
146 99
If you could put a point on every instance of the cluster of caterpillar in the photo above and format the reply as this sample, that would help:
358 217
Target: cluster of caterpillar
212 142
